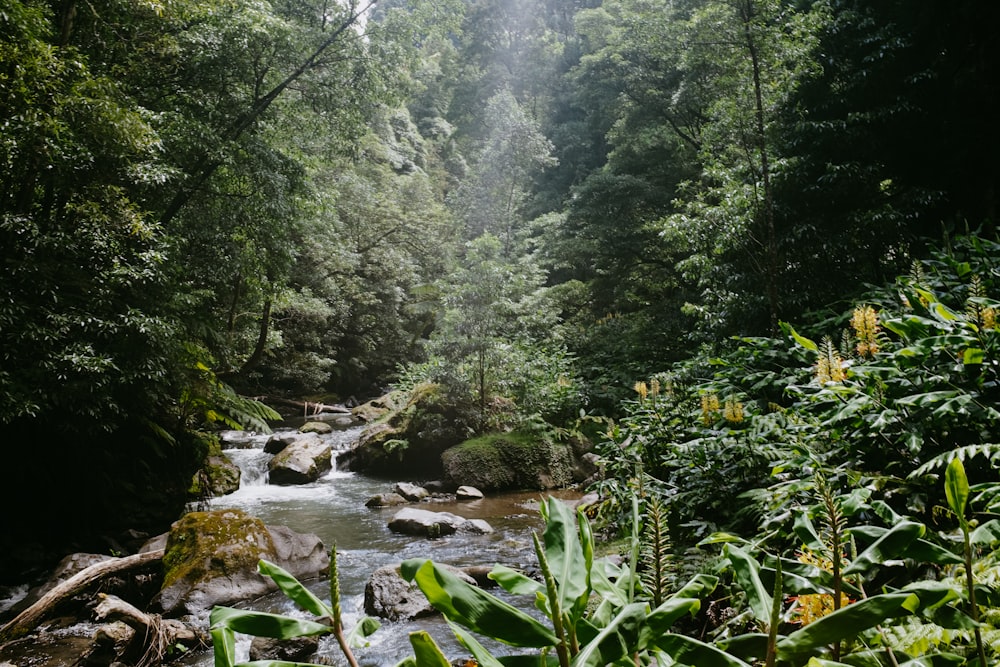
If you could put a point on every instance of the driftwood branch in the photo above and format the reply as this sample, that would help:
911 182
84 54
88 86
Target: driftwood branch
30 618
307 407
154 635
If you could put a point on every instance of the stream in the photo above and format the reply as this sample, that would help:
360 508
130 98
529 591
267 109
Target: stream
334 509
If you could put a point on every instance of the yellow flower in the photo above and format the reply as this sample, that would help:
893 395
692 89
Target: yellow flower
709 408
642 390
866 330
815 606
829 366
734 411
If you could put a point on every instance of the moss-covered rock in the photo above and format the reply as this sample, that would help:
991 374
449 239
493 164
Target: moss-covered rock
211 558
509 461
407 441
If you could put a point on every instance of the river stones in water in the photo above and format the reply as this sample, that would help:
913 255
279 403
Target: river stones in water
411 492
411 521
382 500
316 427
389 596
305 460
468 493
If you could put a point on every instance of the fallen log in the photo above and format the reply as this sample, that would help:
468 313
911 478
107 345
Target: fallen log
307 407
154 635
30 618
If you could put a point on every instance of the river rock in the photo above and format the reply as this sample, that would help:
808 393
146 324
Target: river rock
384 500
301 462
211 559
298 649
279 441
412 521
468 493
317 427
389 596
218 476
411 492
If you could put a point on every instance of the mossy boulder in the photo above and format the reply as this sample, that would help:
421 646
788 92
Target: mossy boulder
515 460
218 477
408 440
211 558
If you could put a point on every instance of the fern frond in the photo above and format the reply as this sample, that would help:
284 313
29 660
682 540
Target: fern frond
990 451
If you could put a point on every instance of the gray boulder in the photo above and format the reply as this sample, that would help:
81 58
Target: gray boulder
319 427
211 559
386 500
389 596
305 460
279 441
411 492
468 493
412 521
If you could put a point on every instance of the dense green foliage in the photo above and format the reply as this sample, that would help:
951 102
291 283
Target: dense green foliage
778 217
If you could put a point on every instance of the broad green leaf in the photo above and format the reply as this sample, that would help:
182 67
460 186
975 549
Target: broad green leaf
986 533
514 582
807 533
892 545
816 662
748 646
261 624
699 586
919 550
956 488
426 652
294 590
565 554
616 639
688 651
474 608
944 312
364 628
223 644
846 622
483 657
747 572
801 340
663 617
973 356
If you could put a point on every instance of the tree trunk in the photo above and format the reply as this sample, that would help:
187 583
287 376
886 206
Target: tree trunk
31 617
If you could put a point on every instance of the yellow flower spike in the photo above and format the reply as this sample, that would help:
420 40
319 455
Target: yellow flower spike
654 387
989 318
866 330
641 389
709 407
734 411
829 366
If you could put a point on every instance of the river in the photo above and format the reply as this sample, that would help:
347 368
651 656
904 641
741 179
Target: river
334 509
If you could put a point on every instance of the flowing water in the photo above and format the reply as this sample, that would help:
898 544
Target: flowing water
334 509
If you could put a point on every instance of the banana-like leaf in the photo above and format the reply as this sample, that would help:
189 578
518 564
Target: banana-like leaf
426 652
689 651
223 645
986 533
919 550
749 646
801 340
366 627
294 590
854 619
935 660
474 608
514 582
261 624
890 546
565 555
747 572
956 487
483 657
807 533
663 617
699 586
616 639
816 662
